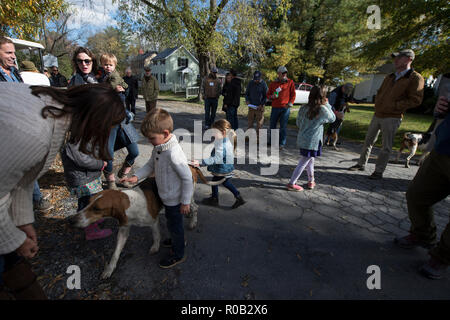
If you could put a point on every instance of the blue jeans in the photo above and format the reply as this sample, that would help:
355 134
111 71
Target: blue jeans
227 184
37 196
210 111
132 148
175 225
232 117
281 114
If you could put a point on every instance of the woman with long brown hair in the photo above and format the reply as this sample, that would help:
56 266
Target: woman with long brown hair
34 122
310 120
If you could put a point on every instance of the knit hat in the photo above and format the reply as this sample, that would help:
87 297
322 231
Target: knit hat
148 67
257 75
28 66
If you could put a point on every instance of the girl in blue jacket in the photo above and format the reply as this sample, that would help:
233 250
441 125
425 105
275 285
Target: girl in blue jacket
310 120
220 164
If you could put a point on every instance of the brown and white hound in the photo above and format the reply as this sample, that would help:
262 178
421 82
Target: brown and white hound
139 206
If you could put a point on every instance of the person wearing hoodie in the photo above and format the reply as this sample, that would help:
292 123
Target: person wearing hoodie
231 98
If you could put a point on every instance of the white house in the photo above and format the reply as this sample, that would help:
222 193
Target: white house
367 89
175 68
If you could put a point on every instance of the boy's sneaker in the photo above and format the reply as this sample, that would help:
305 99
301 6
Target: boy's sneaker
171 261
239 202
168 243
43 205
211 201
357 167
433 269
411 241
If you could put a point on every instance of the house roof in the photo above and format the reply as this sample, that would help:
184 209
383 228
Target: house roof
168 52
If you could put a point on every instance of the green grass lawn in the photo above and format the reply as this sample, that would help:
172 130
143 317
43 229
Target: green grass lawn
355 124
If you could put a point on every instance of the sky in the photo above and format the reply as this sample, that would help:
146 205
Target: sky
91 17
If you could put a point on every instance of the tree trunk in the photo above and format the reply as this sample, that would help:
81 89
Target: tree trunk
203 61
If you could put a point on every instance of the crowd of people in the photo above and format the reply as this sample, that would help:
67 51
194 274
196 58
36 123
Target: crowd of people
92 119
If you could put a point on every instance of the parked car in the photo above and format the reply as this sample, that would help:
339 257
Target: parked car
302 93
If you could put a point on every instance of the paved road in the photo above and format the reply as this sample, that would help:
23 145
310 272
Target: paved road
280 245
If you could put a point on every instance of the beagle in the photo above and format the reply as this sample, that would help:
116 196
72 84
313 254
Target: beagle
422 141
139 206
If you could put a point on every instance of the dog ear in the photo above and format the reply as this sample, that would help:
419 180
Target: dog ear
120 204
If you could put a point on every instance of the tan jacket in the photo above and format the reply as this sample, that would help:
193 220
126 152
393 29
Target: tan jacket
150 89
395 97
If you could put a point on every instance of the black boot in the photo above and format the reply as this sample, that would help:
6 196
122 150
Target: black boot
211 201
239 202
22 282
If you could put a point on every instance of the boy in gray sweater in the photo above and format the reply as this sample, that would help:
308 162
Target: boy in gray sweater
173 178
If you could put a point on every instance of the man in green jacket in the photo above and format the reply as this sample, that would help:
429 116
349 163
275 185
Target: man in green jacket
150 89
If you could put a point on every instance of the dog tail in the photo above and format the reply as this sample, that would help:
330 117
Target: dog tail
202 177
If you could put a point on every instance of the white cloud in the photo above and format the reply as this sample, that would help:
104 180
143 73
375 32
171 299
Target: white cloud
93 15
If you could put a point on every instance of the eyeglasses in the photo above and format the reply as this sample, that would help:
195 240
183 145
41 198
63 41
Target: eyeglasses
86 61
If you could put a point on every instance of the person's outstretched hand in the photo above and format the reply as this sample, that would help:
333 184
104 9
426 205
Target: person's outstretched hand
28 249
194 163
441 105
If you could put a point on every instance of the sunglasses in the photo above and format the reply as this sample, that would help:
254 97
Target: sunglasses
86 61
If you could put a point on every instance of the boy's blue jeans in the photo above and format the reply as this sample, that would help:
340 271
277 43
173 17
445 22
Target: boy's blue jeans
281 114
175 225
227 184
132 148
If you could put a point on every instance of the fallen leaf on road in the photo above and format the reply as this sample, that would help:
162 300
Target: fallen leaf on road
316 272
299 256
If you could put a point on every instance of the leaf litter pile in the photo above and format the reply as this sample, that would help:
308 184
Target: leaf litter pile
61 245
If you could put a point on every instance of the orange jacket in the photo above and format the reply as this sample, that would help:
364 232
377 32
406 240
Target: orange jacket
285 96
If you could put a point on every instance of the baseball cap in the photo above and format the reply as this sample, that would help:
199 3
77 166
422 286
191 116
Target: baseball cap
257 75
406 53
282 69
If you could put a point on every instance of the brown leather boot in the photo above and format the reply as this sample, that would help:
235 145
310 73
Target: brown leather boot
22 282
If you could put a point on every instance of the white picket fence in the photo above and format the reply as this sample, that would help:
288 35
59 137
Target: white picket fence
192 92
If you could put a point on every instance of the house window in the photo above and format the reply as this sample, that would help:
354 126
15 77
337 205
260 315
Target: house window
163 61
182 62
155 63
163 78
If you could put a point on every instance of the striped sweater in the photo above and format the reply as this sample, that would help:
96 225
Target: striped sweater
28 145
